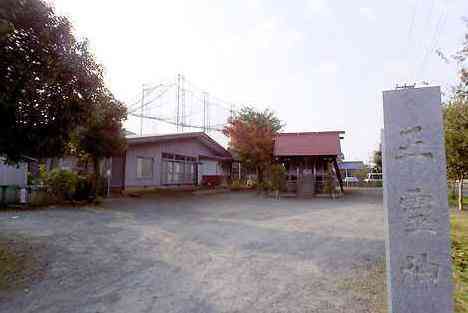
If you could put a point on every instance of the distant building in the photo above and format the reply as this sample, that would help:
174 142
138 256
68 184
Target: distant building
350 168
182 159
310 159
13 175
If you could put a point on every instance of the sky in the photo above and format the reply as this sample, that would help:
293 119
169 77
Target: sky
318 64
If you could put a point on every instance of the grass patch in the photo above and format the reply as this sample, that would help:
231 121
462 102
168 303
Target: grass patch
368 285
453 201
459 222
367 288
20 264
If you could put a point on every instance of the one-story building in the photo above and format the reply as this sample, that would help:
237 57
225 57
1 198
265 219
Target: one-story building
311 159
12 177
182 159
351 168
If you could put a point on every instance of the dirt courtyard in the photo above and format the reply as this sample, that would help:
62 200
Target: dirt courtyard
233 252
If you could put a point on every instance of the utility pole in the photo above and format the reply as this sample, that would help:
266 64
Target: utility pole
207 113
204 112
183 116
178 102
141 110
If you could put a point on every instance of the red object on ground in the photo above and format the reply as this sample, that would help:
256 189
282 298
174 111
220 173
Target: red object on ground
212 180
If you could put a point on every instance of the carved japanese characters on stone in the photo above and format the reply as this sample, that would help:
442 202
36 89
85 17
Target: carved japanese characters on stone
415 196
419 271
413 144
416 207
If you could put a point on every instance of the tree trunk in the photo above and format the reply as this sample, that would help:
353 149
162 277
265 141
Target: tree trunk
96 176
259 180
260 175
460 193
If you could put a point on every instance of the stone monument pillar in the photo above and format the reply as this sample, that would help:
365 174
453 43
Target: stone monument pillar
419 265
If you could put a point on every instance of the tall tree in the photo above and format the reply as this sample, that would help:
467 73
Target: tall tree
461 56
251 135
456 124
377 160
102 136
48 80
456 141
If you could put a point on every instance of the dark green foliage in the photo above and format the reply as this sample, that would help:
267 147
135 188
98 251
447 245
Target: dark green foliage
65 185
264 186
461 56
102 135
278 177
48 83
84 188
61 184
377 159
456 125
456 141
456 136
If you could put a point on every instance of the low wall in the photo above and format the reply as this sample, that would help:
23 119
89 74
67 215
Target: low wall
9 194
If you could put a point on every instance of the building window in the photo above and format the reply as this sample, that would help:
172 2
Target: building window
178 169
144 167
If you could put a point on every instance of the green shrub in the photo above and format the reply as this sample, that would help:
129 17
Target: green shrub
101 188
61 183
278 177
265 186
42 174
84 188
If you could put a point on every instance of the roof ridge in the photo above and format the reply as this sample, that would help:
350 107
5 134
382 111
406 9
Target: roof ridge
311 133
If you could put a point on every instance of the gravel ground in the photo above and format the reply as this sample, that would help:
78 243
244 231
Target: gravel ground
234 252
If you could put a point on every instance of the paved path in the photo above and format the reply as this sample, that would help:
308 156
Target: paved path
234 252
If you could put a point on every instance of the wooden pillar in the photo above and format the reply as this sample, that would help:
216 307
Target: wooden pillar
338 174
314 161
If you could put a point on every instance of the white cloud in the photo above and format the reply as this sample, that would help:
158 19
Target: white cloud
327 68
318 7
368 14
254 4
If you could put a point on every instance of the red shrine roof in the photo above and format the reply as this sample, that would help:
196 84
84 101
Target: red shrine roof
308 144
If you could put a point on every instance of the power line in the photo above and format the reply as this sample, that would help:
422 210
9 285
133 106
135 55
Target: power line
410 33
175 123
193 107
151 101
432 43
